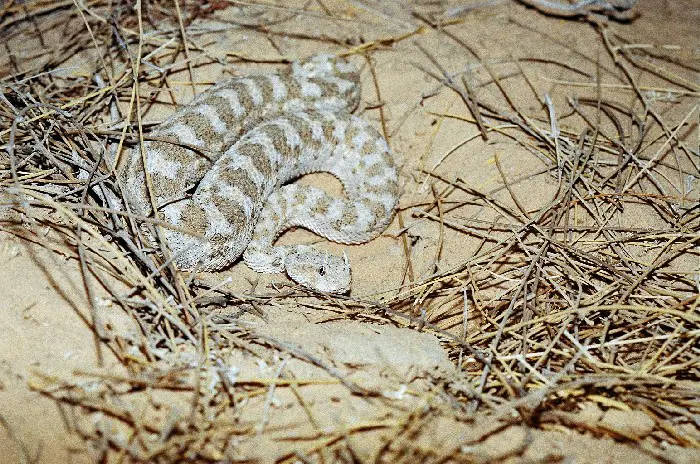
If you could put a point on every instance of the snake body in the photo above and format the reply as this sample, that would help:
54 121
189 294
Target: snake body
220 167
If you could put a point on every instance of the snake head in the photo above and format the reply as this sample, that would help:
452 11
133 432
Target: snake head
318 270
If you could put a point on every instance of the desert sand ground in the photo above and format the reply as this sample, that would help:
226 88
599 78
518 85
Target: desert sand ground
534 300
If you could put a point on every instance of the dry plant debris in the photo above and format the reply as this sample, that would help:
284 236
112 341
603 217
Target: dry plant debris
580 312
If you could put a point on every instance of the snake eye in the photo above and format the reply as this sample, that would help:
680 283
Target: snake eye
322 271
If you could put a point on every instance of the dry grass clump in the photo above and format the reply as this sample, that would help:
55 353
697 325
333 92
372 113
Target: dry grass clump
590 297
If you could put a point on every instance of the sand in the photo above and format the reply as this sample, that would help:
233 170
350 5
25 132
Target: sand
276 374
